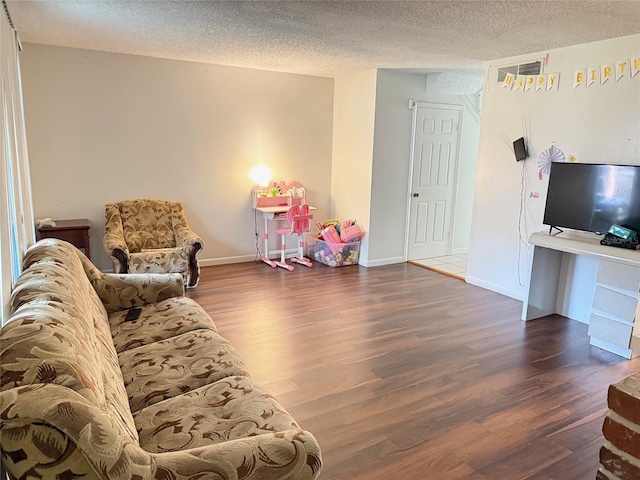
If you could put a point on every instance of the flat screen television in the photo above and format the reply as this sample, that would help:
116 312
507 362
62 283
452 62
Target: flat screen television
592 197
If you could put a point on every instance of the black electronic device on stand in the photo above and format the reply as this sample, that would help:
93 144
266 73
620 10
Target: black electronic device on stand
612 240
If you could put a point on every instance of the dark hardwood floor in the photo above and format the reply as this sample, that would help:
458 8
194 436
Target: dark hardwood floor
403 373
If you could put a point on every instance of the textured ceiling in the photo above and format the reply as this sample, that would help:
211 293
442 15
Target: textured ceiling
327 38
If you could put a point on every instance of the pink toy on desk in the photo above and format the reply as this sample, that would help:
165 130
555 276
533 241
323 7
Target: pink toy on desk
278 194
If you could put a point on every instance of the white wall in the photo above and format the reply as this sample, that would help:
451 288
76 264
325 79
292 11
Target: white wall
465 186
391 165
599 124
353 122
106 127
391 157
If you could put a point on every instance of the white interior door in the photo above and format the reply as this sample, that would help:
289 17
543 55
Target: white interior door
436 130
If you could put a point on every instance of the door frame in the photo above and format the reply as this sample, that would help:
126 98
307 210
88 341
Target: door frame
413 105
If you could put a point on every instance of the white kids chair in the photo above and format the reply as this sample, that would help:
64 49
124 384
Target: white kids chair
299 223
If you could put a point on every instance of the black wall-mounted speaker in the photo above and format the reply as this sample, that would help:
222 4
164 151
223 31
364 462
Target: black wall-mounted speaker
520 149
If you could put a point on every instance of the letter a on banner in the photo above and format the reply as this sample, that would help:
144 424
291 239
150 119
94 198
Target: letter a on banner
520 79
579 78
635 66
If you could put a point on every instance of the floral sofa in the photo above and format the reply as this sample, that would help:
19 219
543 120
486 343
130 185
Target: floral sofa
151 236
84 394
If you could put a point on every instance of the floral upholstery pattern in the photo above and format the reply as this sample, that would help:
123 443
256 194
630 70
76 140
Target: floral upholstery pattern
147 224
228 409
85 394
151 236
158 321
164 369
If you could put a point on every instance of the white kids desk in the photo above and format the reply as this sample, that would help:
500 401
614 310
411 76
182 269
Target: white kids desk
275 207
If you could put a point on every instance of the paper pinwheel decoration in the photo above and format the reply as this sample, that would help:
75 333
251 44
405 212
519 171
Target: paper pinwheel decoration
546 157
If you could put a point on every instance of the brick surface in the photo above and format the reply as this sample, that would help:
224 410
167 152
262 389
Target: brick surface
621 437
624 398
612 462
601 476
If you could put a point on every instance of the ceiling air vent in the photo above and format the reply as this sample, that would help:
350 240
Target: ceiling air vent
532 68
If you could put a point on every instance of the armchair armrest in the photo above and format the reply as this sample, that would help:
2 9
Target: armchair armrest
289 454
113 241
120 292
185 237
192 243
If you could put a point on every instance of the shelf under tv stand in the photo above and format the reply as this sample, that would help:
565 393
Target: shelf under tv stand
571 274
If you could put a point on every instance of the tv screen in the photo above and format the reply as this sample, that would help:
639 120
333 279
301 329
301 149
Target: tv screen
592 197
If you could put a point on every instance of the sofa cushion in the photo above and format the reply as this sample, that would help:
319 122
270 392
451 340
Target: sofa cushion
170 367
229 409
158 321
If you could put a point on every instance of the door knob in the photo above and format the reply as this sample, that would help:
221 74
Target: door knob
416 194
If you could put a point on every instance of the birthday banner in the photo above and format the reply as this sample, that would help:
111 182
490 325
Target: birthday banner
602 74
527 83
581 78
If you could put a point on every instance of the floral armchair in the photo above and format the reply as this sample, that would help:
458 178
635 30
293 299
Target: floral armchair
151 236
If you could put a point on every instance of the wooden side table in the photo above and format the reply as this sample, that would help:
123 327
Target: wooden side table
76 232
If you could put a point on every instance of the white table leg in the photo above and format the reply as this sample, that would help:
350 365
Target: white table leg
265 254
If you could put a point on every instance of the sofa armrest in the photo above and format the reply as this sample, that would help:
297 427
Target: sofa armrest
120 292
69 434
289 454
113 241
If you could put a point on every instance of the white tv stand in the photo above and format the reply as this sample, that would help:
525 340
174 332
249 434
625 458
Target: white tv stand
571 274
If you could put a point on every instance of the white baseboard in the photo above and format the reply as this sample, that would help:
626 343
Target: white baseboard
382 261
478 282
209 262
611 347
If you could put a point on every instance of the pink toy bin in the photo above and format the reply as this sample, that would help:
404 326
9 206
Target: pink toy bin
331 254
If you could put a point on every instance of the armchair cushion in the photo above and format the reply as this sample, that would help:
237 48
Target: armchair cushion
147 224
170 260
